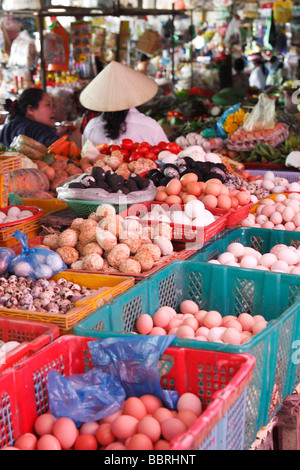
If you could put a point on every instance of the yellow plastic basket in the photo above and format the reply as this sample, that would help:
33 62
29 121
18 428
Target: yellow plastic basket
115 286
6 166
49 206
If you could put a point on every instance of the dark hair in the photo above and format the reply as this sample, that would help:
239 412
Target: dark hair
144 58
30 96
115 123
239 64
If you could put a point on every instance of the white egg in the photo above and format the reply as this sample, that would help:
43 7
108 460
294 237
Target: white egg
13 212
164 244
267 260
2 215
237 249
54 261
248 261
9 220
294 187
194 208
205 219
288 255
278 189
225 257
268 184
9 346
43 271
179 217
25 214
280 266
22 269
216 333
269 175
280 197
163 154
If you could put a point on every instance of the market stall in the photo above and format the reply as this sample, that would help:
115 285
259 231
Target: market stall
149 289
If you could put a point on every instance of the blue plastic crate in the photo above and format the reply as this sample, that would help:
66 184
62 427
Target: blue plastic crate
230 291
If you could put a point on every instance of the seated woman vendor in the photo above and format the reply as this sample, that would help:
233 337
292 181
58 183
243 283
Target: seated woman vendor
32 115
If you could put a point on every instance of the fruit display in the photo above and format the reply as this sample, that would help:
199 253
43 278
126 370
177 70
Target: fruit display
278 213
143 423
280 259
107 242
195 323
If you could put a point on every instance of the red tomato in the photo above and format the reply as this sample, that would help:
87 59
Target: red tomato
162 145
173 147
150 155
112 148
125 153
143 148
127 144
135 156
156 149
135 145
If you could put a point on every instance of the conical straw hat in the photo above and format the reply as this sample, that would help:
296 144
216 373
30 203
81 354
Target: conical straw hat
117 87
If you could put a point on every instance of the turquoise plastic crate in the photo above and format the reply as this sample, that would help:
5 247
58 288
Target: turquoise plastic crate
230 291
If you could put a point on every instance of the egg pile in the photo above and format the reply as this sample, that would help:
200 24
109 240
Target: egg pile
280 213
201 325
44 296
140 424
212 193
280 259
193 214
108 242
271 184
14 214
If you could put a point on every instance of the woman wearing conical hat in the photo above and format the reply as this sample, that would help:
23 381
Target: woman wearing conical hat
116 92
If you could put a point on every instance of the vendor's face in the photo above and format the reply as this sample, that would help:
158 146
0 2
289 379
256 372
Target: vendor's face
44 113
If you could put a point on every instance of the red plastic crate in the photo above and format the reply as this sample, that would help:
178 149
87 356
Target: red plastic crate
181 233
32 335
219 379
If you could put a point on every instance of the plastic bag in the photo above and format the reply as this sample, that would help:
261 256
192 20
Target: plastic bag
134 361
220 123
283 11
262 116
23 51
233 34
98 194
6 255
37 263
84 397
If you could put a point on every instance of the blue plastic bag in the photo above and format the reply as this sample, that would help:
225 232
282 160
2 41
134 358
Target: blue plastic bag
220 123
84 397
6 255
134 361
37 263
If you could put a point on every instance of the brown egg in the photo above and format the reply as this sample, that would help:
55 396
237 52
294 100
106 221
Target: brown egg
173 200
174 187
194 188
161 196
187 178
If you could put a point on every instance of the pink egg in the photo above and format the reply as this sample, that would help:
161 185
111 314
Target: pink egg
268 259
267 202
227 318
246 336
174 323
287 255
296 219
231 336
234 324
172 311
189 401
224 257
173 331
288 214
295 270
186 332
276 248
276 218
280 208
161 317
247 321
172 427
200 338
188 306
259 326
279 227
290 226
202 331
280 266
262 219
212 318
200 316
237 249
252 252
268 225
280 197
89 428
157 330
192 322
268 211
295 196
144 324
249 262
259 318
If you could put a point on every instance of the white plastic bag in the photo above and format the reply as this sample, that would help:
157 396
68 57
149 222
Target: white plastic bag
262 117
23 51
233 34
